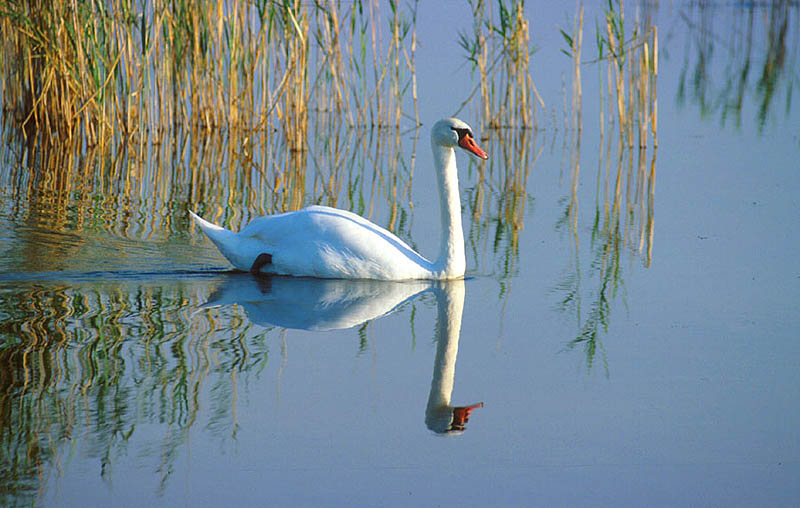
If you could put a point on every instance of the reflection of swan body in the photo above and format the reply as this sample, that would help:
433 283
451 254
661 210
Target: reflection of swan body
325 242
329 304
313 304
440 416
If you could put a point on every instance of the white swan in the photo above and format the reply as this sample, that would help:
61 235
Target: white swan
325 242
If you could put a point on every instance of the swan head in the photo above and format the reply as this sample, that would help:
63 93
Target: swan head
452 132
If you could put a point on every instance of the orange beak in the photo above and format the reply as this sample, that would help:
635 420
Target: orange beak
461 414
467 143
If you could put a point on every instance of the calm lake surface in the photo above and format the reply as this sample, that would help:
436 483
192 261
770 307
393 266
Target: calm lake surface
631 343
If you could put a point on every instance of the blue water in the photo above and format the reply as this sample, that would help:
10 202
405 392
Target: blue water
643 358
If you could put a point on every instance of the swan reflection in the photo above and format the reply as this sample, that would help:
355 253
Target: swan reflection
313 304
326 304
440 416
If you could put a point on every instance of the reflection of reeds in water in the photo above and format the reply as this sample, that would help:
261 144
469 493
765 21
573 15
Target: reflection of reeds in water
623 221
759 44
228 176
69 370
623 216
499 50
113 70
497 200
100 365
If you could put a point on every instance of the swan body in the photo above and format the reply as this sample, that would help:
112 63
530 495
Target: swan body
325 242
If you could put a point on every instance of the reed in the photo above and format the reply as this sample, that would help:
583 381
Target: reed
633 74
103 70
500 53
574 43
499 50
623 211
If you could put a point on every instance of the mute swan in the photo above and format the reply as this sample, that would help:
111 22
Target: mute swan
329 243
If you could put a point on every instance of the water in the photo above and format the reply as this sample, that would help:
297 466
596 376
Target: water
643 356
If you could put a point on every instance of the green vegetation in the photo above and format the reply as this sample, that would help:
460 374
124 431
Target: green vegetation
101 71
623 213
499 51
70 368
738 55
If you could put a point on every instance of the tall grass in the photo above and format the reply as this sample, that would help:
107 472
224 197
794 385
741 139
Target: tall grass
632 69
499 50
95 70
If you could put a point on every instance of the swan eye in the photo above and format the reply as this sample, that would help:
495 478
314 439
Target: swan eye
462 132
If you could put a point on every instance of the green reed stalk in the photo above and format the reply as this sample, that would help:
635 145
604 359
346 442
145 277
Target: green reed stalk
500 52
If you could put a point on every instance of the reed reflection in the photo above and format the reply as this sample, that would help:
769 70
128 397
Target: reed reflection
740 52
622 226
85 363
498 200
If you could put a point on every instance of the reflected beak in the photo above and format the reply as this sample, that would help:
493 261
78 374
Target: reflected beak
461 414
467 143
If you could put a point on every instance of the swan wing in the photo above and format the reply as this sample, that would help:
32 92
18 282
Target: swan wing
320 241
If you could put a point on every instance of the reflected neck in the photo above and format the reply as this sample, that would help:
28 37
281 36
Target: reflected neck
450 304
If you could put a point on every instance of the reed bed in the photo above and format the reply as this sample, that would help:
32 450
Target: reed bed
499 50
108 70
631 77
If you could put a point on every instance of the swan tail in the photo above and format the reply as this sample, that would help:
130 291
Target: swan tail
215 233
221 237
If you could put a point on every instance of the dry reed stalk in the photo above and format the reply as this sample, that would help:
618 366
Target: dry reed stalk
411 62
634 77
577 91
102 70
506 86
618 83
653 88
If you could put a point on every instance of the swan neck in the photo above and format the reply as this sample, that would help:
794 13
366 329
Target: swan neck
451 262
